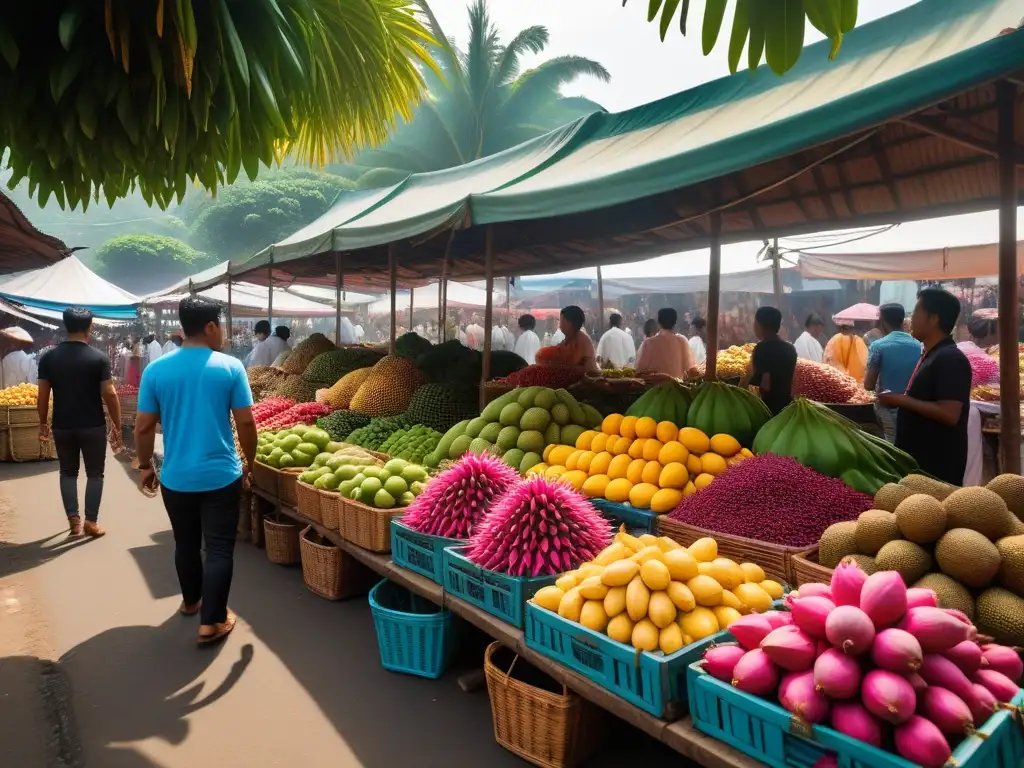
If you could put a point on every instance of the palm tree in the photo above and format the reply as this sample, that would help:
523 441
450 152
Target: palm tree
480 102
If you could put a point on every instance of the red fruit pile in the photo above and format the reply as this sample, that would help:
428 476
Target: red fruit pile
825 384
553 376
538 528
984 370
774 499
271 407
303 413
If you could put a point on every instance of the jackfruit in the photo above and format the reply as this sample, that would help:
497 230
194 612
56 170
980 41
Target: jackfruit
1011 571
511 414
922 484
911 560
890 495
490 432
967 556
1011 490
1001 615
980 510
951 593
875 528
865 562
838 541
921 519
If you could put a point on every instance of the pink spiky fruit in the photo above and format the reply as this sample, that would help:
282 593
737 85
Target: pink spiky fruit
453 503
538 528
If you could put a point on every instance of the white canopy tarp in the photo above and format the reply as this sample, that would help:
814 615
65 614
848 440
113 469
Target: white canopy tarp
69 283
933 264
247 299
349 299
19 313
200 280
460 296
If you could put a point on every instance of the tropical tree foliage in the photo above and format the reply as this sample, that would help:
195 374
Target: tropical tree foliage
101 96
481 100
772 29
143 263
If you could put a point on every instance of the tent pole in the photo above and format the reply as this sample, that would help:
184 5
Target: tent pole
412 304
230 317
270 294
444 308
600 302
488 314
442 293
777 274
394 283
714 291
508 302
1009 373
337 297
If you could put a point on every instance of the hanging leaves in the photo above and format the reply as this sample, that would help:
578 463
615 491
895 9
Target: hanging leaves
770 28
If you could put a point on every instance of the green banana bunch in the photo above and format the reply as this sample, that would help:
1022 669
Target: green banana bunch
101 97
831 444
722 408
667 402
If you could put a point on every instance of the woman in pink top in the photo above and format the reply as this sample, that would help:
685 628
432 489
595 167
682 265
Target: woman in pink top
577 347
666 351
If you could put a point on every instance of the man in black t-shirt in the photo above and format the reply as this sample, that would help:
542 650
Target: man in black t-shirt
931 424
79 377
773 363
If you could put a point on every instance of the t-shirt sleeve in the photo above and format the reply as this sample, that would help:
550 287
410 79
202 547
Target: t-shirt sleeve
241 395
953 381
875 355
44 368
147 398
104 368
757 365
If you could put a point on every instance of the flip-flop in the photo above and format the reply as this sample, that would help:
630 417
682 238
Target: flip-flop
222 630
189 610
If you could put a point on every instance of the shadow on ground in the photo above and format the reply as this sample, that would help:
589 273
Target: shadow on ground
17 558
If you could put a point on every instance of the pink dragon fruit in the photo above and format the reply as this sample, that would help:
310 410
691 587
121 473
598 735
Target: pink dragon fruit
453 503
538 528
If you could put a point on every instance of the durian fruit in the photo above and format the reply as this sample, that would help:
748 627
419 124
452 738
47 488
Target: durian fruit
453 503
968 557
890 495
837 541
1011 490
951 594
1000 614
875 528
980 510
865 562
305 351
921 518
922 484
538 527
1011 570
911 560
389 387
340 395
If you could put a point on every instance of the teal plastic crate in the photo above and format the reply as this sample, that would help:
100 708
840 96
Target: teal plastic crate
419 552
414 635
768 733
652 681
636 520
500 595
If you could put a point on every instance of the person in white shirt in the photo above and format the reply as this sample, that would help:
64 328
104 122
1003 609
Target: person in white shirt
616 346
528 343
169 344
698 342
268 347
17 366
807 345
347 332
152 348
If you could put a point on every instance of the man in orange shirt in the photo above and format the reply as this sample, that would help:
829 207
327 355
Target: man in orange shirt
666 351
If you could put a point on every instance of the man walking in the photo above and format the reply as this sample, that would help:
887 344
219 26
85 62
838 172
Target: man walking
193 394
79 378
891 362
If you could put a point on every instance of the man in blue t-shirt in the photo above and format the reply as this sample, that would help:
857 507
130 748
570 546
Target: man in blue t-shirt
193 394
891 362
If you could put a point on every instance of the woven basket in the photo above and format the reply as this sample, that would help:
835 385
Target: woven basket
775 559
329 572
331 507
807 569
265 478
554 730
288 486
22 443
308 499
368 527
20 414
282 541
129 408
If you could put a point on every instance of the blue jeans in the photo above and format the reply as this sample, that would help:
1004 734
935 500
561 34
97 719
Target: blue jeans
887 417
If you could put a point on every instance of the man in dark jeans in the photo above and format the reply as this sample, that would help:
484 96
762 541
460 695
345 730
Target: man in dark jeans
79 377
193 394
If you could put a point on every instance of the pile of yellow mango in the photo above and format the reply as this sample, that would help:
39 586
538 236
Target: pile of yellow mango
19 395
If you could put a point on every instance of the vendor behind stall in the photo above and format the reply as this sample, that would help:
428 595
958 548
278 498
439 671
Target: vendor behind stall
576 347
666 352
773 361
528 344
16 364
616 346
847 352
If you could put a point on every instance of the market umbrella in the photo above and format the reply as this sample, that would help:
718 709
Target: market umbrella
856 314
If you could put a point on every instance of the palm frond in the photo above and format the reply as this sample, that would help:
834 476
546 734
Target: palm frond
530 40
542 83
481 52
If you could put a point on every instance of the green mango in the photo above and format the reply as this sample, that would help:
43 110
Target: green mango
370 486
330 482
413 473
285 460
347 472
316 436
383 499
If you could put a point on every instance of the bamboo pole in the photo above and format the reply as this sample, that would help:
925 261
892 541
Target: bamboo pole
412 305
230 318
777 275
488 314
714 291
270 295
394 283
600 303
1009 373
337 297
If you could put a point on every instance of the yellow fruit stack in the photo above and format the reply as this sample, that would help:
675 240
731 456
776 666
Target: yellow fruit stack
654 594
22 394
648 464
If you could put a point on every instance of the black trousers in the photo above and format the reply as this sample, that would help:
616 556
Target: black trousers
207 518
74 445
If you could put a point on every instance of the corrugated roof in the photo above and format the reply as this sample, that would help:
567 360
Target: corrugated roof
22 246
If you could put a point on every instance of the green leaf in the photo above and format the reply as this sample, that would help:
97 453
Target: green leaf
755 46
848 15
714 12
683 16
265 94
666 16
126 114
8 48
88 117
68 25
740 32
825 16
236 51
652 9
784 33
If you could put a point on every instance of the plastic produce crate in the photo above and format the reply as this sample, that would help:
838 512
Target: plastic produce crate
642 520
500 595
419 552
768 733
415 636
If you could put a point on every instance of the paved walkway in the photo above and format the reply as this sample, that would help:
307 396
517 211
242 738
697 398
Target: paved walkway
97 669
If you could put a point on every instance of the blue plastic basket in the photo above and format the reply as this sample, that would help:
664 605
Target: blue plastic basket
419 552
769 733
500 595
414 635
641 520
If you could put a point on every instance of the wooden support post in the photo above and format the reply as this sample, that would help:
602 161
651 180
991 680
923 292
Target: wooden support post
337 297
270 295
394 284
777 276
412 305
230 334
488 314
508 303
1009 373
714 291
444 309
600 303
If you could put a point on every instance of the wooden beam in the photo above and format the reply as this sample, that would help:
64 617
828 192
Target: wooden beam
882 161
714 294
961 138
270 293
1009 372
823 193
231 337
600 301
337 297
394 284
485 372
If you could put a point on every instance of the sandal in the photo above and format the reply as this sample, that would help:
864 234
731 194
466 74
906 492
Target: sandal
189 610
221 630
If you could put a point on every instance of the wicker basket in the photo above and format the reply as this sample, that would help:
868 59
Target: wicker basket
806 569
308 499
288 486
775 559
331 506
22 443
554 730
368 527
19 414
265 478
329 572
282 541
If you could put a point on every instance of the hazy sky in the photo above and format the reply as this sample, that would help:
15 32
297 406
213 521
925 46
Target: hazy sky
644 69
